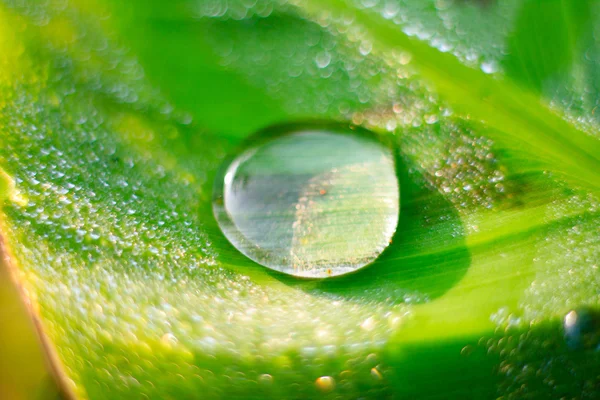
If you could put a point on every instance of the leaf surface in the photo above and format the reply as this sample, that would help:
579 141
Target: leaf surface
115 117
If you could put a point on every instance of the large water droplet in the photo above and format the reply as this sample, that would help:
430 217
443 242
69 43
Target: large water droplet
312 202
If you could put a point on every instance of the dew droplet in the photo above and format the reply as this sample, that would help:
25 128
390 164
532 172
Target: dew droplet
168 339
265 379
582 328
325 383
368 324
312 202
375 374
489 67
323 59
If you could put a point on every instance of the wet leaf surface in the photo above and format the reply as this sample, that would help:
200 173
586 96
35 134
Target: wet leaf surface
115 118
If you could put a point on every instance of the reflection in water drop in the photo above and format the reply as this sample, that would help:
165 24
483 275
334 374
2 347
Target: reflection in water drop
312 202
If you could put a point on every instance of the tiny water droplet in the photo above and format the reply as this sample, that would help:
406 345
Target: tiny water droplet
325 383
265 379
323 59
168 339
489 67
375 374
368 324
365 48
582 329
310 201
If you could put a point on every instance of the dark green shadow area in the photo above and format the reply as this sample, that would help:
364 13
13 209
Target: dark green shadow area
455 369
522 363
196 72
187 69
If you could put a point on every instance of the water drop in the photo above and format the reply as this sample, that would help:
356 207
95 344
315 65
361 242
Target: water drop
405 58
489 67
375 374
390 10
323 59
582 329
168 339
365 48
265 379
325 383
310 201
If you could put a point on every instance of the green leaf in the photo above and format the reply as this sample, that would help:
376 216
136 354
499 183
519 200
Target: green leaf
538 57
116 116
